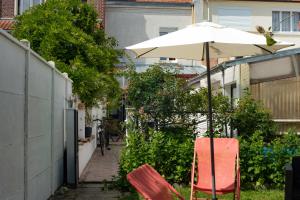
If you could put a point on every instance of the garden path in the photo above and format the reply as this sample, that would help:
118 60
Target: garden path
95 177
103 168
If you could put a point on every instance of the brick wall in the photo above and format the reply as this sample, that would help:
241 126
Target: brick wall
7 8
99 6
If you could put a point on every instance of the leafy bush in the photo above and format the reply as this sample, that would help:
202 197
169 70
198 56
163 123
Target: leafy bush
262 164
170 154
250 116
66 32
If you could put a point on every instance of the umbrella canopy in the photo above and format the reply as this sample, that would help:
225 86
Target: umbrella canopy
213 40
188 43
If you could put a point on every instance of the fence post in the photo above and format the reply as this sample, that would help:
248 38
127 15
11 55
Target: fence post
26 107
66 105
52 64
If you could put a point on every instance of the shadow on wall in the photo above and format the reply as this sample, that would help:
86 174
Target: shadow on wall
135 35
128 27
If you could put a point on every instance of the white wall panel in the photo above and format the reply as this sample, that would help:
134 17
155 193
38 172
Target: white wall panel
31 160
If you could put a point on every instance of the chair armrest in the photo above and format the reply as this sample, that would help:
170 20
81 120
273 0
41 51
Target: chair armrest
288 182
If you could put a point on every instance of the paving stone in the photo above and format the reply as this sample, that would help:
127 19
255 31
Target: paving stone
87 192
103 168
93 185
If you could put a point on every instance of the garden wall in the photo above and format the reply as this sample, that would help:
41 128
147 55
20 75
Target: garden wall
33 97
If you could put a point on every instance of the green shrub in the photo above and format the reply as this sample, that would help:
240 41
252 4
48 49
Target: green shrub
252 162
170 154
250 116
262 164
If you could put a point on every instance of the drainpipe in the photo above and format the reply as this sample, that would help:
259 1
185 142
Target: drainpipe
193 13
208 11
26 108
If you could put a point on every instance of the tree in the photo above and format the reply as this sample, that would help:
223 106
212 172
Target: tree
158 95
66 32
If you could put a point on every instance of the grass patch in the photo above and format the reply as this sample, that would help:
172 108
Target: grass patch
245 195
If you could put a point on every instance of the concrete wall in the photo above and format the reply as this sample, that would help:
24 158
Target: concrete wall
86 150
33 97
131 24
261 14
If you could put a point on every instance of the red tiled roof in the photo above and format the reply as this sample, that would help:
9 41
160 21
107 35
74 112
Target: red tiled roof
165 1
6 24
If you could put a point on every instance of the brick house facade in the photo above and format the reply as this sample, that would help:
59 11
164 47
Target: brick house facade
10 8
7 8
7 12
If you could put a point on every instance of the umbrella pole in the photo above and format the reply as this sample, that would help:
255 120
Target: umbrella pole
211 134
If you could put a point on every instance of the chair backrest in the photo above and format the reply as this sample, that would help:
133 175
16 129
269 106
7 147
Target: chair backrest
149 183
226 152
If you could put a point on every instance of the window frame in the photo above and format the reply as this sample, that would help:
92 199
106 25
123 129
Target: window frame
19 6
291 11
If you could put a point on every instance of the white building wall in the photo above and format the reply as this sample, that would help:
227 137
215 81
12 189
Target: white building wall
231 76
134 24
260 14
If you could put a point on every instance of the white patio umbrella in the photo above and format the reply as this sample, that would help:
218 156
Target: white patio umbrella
213 40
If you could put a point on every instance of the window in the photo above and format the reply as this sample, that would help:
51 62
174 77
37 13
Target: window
23 5
285 21
296 21
164 31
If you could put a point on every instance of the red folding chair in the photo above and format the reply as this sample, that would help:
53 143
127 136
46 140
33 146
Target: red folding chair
151 185
227 169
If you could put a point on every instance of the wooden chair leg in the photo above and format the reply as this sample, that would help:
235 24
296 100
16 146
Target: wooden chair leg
194 195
